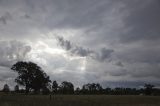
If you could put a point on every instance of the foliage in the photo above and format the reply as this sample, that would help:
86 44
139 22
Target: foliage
6 88
92 88
16 89
78 100
148 89
66 88
31 76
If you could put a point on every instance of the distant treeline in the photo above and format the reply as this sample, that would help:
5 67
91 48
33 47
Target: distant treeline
87 89
36 81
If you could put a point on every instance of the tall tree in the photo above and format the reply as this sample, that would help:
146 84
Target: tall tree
54 87
31 76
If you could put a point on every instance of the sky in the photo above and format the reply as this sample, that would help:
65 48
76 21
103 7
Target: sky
111 42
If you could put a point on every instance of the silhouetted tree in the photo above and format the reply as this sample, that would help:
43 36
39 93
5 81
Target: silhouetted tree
54 87
99 88
78 91
31 76
16 89
92 88
22 90
6 88
45 90
107 91
148 89
66 88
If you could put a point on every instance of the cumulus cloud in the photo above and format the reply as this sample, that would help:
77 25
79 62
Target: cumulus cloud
12 51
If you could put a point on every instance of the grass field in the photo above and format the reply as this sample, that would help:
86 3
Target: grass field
78 100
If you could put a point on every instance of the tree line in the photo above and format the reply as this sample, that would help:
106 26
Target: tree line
36 81
87 89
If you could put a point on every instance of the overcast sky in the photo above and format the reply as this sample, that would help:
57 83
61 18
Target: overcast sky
112 42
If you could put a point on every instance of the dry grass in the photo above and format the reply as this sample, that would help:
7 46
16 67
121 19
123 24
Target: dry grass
78 100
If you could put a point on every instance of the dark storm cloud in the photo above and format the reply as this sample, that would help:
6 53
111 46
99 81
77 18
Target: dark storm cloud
12 51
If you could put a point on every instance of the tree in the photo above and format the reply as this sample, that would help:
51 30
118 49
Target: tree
78 91
6 88
16 88
92 88
148 89
67 87
54 87
31 76
45 90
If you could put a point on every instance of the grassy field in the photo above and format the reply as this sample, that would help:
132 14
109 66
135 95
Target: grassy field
78 100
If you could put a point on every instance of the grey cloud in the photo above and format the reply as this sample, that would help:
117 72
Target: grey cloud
64 43
143 70
74 49
68 14
82 13
102 55
139 52
4 18
120 64
142 21
12 51
27 16
7 76
82 51
6 73
120 72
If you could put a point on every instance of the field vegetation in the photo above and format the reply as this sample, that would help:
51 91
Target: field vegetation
78 100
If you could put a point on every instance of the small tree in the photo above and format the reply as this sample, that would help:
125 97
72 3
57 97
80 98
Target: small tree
16 89
6 88
78 91
92 88
148 89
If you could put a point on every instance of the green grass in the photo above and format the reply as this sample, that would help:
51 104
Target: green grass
78 100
